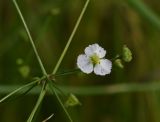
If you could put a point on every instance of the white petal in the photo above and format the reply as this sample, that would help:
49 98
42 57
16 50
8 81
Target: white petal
95 49
103 68
84 64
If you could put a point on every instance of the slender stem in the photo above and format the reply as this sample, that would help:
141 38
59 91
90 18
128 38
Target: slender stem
43 91
121 88
71 37
59 100
17 90
63 54
41 96
57 88
30 37
48 118
53 91
116 57
67 72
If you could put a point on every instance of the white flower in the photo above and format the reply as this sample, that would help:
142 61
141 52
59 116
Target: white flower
93 60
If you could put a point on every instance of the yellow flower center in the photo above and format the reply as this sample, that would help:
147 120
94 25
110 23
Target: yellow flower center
95 59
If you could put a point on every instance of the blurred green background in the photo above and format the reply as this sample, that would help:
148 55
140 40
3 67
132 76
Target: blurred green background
111 24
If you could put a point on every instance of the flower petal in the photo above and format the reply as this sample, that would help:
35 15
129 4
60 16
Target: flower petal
95 49
84 64
103 68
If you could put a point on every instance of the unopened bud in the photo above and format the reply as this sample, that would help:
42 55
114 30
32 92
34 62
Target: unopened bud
24 71
126 54
19 61
118 62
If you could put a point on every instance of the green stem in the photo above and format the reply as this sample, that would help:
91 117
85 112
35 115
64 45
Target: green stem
53 91
63 54
17 90
145 12
150 86
43 91
30 37
59 100
67 73
48 118
116 57
71 37
41 96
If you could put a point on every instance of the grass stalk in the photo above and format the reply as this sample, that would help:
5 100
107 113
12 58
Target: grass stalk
39 101
43 91
17 90
64 109
145 12
53 91
121 88
63 54
30 37
71 37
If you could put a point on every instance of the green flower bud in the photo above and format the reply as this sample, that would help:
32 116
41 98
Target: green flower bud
72 101
24 70
126 54
19 61
55 11
118 62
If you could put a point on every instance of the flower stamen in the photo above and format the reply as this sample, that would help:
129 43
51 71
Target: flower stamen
95 59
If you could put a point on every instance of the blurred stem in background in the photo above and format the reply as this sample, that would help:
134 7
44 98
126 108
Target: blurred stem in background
94 90
145 12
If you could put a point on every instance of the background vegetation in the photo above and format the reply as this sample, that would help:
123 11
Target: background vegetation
128 95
